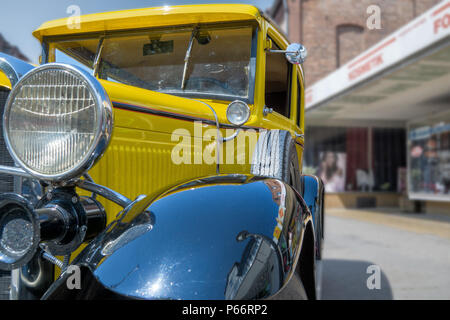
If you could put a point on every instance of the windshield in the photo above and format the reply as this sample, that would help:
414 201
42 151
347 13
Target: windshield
215 62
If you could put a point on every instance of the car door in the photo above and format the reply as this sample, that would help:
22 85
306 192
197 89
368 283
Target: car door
283 91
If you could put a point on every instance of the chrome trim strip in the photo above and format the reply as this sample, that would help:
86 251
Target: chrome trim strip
13 68
98 55
105 192
83 184
14 290
87 177
15 171
234 135
280 51
219 137
253 67
147 110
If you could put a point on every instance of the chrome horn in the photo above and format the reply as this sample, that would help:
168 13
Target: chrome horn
19 231
61 224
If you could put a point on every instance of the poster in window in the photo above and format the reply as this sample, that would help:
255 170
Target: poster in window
332 170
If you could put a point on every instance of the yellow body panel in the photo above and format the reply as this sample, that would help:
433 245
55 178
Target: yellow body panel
138 159
4 81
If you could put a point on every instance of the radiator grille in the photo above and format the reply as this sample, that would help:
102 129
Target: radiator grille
6 185
6 181
5 280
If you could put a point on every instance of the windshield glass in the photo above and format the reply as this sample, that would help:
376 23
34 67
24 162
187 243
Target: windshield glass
80 53
206 62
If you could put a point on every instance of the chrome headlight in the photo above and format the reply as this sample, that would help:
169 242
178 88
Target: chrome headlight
57 121
238 113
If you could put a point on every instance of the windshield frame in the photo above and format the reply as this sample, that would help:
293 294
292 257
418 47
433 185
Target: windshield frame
48 44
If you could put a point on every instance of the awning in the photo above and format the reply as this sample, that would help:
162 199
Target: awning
403 77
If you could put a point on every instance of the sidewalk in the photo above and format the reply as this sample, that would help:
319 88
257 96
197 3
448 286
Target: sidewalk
421 223
411 250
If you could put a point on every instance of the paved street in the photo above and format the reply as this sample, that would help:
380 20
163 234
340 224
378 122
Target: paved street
412 250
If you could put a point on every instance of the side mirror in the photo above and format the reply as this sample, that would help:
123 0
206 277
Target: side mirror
295 53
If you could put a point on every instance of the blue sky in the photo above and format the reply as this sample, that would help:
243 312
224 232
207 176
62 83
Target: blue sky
18 18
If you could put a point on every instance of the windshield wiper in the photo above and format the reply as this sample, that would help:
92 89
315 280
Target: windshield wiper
188 56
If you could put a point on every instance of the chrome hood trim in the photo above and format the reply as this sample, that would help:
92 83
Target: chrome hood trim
13 68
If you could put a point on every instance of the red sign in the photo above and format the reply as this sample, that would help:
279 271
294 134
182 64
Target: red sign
442 23
366 67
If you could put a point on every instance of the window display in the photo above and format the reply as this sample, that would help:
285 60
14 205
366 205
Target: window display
429 158
356 159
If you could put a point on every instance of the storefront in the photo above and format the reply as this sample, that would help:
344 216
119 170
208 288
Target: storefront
379 126
429 158
356 159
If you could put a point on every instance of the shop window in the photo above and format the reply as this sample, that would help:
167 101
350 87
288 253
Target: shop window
326 155
429 158
389 157
356 159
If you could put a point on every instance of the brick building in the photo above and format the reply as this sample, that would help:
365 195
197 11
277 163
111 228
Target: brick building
334 31
377 99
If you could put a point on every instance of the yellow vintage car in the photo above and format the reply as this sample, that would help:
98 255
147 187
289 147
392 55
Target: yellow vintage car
167 138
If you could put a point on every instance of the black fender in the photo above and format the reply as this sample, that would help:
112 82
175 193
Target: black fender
314 196
220 237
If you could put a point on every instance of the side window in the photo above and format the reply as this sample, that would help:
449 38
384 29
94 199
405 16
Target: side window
278 74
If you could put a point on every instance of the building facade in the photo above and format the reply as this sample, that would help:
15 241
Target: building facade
334 31
378 89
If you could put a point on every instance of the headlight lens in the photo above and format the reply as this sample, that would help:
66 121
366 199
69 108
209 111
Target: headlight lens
238 113
57 121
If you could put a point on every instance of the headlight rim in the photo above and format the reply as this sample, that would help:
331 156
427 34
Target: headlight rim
103 132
